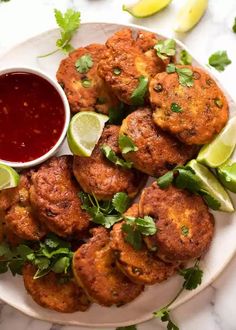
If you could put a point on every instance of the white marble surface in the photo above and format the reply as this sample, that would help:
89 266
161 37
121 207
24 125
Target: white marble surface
214 308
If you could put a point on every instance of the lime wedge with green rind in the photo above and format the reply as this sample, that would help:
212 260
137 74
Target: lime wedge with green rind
210 183
190 14
84 132
227 175
145 8
9 178
219 150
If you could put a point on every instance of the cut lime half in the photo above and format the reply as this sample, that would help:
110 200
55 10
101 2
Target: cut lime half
227 175
84 132
212 186
145 8
221 148
190 14
9 178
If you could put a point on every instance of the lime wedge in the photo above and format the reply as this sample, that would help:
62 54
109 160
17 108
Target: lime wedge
9 178
84 132
145 8
212 186
227 175
190 14
221 148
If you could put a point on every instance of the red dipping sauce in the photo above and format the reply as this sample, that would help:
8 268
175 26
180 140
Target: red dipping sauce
32 116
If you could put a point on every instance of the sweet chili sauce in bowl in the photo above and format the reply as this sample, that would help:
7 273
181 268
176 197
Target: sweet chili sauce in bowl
34 117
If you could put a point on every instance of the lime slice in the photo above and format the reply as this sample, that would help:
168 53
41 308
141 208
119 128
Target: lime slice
145 8
221 148
212 185
190 14
227 175
9 178
84 132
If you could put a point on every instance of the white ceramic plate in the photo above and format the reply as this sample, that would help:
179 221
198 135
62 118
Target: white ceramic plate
12 290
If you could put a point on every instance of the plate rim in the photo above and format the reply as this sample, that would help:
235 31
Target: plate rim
184 299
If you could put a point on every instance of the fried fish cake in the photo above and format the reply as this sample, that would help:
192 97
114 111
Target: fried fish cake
141 266
204 108
185 226
49 292
97 175
124 63
17 211
54 197
96 272
158 151
85 91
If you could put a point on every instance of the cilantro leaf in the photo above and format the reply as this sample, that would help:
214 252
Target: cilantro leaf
145 225
84 63
111 155
129 327
185 231
126 144
219 60
192 276
234 26
138 95
164 315
186 179
185 75
68 24
133 236
165 48
121 202
176 108
165 180
116 115
185 58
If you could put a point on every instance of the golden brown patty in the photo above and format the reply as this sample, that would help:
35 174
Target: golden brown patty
98 96
95 270
54 196
128 58
204 106
17 212
157 151
140 266
98 176
185 226
49 292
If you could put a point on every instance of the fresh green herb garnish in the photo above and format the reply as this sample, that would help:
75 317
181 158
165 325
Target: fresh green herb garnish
176 108
129 327
136 227
105 213
112 156
192 279
116 115
234 26
165 48
117 71
4 0
185 58
53 254
185 230
185 74
86 83
126 144
138 95
84 63
184 177
68 24
218 103
219 60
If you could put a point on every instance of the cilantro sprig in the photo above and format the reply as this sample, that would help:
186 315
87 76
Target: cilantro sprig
192 279
126 144
185 58
68 24
112 157
219 60
184 177
117 114
138 95
185 75
165 48
53 254
105 213
234 26
84 63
